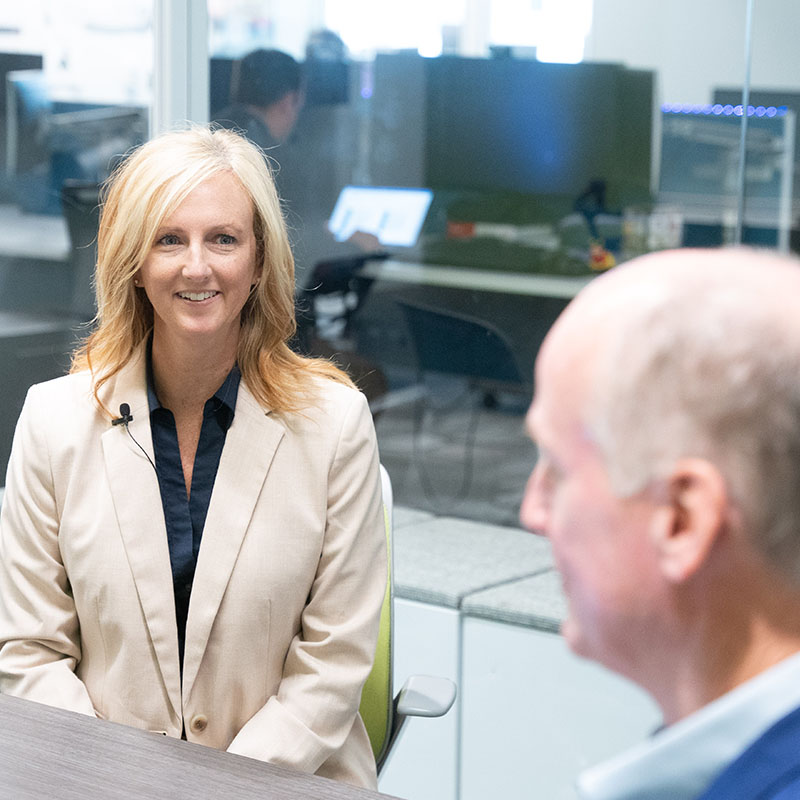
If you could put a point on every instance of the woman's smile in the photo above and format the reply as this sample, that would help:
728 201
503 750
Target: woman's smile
197 297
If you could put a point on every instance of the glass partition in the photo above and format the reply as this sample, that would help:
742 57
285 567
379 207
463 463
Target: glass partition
558 139
75 91
771 203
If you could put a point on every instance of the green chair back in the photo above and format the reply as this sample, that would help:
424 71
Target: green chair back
377 701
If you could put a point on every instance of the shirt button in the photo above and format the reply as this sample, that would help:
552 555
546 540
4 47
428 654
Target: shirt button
199 723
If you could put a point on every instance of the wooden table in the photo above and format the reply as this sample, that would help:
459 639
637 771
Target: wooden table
47 752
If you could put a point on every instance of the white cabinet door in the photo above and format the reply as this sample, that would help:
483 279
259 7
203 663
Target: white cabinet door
424 762
533 715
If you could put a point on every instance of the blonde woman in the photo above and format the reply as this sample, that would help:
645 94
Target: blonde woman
191 539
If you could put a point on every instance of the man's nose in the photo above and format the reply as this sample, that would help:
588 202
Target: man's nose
533 513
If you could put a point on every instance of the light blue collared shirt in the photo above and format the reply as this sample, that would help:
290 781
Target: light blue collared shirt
679 762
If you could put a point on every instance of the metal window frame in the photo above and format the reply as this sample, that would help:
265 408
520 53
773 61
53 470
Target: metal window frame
180 64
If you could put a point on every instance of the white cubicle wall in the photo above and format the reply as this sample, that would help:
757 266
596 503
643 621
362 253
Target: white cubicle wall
424 763
533 716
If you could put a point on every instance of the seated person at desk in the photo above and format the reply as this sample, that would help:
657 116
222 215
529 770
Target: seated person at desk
267 97
667 414
192 537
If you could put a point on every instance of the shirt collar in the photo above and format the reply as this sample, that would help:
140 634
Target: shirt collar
224 397
680 761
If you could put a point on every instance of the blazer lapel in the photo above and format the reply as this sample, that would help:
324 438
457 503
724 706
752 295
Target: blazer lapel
250 446
140 515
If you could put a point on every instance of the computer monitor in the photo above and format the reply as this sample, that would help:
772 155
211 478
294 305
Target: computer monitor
526 126
701 154
701 172
768 98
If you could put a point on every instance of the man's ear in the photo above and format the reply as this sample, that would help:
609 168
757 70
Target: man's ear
691 517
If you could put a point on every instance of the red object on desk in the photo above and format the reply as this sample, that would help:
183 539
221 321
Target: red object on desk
460 230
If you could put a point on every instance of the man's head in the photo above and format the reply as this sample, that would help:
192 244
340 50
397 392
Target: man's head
272 82
667 413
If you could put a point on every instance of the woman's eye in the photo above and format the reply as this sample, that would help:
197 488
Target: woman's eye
169 239
225 238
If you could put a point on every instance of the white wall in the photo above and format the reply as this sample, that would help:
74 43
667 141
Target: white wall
695 46
776 56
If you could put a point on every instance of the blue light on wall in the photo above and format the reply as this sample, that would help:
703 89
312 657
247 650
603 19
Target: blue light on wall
719 110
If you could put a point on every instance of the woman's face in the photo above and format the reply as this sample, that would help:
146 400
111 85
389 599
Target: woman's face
202 264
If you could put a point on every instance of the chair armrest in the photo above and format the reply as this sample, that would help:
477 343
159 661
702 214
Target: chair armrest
421 696
425 696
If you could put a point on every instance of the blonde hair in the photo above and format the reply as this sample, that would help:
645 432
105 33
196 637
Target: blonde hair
150 184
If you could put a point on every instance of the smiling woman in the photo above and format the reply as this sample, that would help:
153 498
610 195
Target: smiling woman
209 564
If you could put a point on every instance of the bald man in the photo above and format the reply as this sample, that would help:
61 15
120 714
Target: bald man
667 417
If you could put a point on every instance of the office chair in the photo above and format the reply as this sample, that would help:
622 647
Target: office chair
458 345
421 696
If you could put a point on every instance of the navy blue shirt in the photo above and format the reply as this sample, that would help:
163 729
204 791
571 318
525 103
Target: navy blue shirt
185 516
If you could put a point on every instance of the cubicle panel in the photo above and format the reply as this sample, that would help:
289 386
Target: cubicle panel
423 764
534 716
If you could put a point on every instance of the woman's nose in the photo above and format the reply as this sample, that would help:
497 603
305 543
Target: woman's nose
196 266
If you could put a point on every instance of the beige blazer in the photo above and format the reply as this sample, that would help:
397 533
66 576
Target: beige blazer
284 610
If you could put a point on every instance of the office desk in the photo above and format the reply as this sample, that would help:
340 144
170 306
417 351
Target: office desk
520 283
47 752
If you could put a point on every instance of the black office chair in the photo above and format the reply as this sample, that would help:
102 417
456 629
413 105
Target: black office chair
458 345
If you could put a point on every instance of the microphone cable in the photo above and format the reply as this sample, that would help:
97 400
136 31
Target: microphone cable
125 417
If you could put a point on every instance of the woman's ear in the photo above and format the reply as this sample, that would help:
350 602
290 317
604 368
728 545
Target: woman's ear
257 273
691 517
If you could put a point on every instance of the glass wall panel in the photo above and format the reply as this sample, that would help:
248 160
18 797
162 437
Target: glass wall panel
772 170
75 88
557 139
